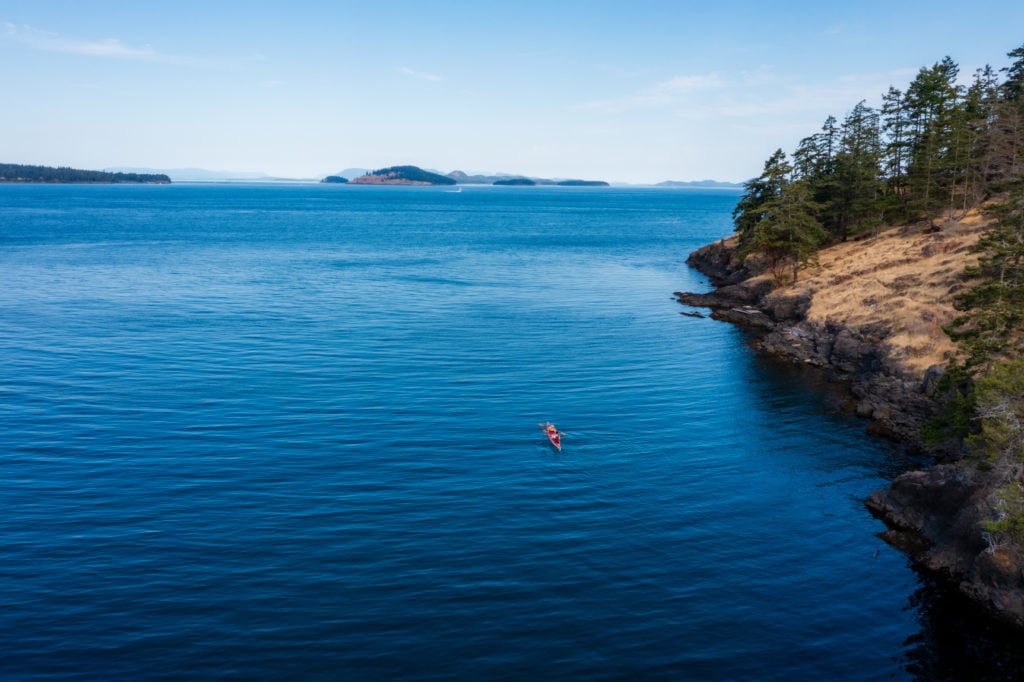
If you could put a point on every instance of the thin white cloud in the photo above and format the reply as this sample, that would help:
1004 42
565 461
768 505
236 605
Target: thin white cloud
684 84
419 75
111 48
896 77
766 93
761 94
665 93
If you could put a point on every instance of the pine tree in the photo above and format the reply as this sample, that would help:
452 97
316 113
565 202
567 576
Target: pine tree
789 232
758 193
980 109
1013 86
930 100
895 126
777 218
993 309
855 203
1006 138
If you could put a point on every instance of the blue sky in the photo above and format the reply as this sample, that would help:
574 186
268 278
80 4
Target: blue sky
622 91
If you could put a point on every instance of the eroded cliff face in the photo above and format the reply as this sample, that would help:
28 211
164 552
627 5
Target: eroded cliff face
871 316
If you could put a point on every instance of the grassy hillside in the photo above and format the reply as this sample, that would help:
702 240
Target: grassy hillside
904 278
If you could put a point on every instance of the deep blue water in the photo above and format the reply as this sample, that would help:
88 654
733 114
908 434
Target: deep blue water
290 432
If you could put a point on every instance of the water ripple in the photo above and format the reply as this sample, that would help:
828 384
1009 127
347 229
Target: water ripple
292 432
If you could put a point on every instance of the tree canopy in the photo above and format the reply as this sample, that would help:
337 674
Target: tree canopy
931 150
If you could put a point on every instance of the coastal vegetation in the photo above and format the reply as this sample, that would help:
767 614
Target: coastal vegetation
931 152
414 175
335 180
582 183
11 172
499 179
516 182
403 175
909 220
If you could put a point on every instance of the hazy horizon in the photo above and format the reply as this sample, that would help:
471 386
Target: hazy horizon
639 94
229 174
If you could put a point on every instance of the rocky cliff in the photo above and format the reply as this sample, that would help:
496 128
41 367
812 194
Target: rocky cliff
871 315
863 351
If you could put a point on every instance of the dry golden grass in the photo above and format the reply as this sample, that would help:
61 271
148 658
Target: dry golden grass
904 278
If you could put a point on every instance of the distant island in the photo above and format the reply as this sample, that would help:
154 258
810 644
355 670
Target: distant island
520 182
199 174
13 172
392 175
498 179
582 183
403 175
481 179
414 175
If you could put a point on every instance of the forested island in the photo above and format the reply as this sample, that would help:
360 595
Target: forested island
888 249
10 172
582 183
530 182
402 175
414 175
515 182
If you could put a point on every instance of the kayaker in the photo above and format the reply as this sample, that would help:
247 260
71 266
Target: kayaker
553 434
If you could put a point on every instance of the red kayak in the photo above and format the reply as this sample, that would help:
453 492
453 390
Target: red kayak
556 439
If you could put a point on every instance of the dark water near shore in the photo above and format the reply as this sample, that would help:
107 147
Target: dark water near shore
291 432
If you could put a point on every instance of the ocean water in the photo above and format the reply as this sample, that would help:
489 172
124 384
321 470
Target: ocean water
291 432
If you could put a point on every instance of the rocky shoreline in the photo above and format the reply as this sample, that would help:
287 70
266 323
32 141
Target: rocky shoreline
896 402
934 515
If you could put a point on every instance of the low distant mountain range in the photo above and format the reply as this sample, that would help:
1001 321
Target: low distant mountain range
497 179
414 175
204 175
519 180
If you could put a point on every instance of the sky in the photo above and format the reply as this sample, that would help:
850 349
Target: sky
637 92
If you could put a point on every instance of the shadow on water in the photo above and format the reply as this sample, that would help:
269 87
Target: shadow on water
832 396
958 641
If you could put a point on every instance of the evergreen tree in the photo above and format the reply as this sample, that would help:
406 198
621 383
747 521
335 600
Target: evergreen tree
993 309
777 217
930 100
809 161
758 193
1013 86
854 202
895 126
980 110
831 137
1006 138
788 233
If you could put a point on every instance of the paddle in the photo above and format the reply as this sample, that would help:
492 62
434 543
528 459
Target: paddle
545 430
